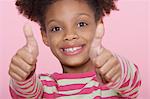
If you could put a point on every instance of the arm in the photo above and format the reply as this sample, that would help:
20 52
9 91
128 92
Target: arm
31 88
118 73
24 83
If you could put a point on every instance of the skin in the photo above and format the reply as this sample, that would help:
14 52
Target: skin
75 27
23 62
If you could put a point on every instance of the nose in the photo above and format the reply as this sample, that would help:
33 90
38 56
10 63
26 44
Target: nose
69 37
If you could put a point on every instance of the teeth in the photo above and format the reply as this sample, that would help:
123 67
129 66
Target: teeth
72 49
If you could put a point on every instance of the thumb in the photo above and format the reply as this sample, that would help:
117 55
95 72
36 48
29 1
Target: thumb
96 46
31 44
29 34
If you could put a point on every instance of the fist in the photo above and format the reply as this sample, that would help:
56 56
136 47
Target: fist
24 61
107 66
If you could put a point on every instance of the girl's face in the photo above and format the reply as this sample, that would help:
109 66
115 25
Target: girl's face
70 27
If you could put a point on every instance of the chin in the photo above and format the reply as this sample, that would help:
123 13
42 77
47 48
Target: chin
75 62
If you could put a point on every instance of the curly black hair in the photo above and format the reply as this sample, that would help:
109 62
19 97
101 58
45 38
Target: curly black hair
35 9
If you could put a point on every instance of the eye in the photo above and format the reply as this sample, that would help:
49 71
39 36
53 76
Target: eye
55 29
82 24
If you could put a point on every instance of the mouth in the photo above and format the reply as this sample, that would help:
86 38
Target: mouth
72 50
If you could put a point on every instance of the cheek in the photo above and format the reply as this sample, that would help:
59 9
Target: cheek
90 32
53 41
89 35
53 44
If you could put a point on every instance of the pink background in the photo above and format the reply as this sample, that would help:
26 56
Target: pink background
126 33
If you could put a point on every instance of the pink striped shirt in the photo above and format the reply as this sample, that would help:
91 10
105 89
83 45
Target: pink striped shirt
79 86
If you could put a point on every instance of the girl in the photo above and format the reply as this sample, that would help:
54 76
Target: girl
73 29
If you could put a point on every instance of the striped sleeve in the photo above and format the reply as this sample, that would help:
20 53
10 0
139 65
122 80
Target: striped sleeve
49 86
128 85
31 88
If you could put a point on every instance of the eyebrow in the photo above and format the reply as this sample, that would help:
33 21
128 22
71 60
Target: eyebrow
83 14
79 14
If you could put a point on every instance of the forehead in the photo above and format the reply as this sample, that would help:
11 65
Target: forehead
69 7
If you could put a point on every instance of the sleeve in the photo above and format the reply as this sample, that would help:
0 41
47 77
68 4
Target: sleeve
129 83
31 88
49 86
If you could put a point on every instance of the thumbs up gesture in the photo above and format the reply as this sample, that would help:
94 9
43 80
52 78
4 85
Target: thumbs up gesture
24 61
107 66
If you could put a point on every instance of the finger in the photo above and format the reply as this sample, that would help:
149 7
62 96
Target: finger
116 77
18 71
108 65
28 34
98 35
26 56
103 58
100 77
31 41
96 43
15 76
96 52
22 64
109 75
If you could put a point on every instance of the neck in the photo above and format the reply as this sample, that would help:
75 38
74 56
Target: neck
86 67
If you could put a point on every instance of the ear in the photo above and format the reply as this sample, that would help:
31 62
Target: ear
44 37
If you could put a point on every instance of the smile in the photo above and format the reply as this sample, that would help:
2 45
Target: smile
69 51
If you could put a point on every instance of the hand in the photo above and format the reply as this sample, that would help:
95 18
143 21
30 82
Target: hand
24 62
107 66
